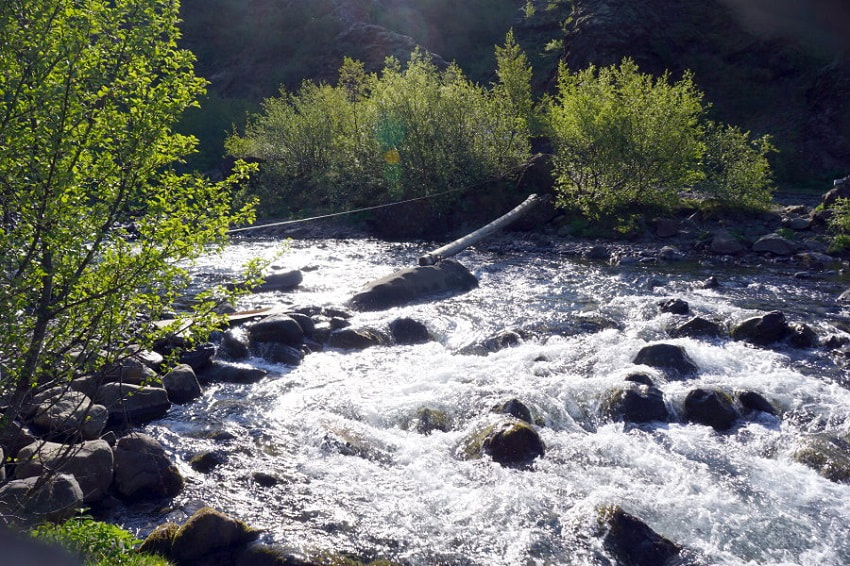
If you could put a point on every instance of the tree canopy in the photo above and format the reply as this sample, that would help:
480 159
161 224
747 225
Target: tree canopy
96 220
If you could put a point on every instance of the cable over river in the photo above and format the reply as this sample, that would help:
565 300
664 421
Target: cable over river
331 454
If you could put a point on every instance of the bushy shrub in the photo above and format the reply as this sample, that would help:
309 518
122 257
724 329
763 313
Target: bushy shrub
96 543
625 141
409 132
737 172
839 224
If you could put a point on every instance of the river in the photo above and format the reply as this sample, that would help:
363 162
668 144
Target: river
735 497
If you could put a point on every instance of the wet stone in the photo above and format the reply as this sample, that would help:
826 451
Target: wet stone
710 407
755 402
516 409
632 542
671 359
698 327
674 306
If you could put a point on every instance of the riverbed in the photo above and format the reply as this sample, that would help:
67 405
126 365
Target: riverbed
734 497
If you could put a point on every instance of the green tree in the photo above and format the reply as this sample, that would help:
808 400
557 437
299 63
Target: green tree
623 138
89 92
737 171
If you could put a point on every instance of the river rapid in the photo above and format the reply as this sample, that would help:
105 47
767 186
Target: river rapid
735 497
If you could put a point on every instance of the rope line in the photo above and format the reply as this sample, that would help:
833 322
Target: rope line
378 206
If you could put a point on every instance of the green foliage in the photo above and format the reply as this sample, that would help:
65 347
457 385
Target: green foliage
626 142
89 93
737 172
839 224
408 132
96 543
624 138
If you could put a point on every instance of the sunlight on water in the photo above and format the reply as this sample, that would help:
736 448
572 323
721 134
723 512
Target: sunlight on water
354 475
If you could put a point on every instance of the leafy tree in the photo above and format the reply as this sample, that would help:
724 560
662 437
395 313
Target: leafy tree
623 138
737 172
408 132
89 92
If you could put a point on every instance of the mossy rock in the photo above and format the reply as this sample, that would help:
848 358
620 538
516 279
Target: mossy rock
160 540
635 403
509 442
428 420
711 407
209 532
826 454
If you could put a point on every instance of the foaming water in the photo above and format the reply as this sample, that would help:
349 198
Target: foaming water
353 474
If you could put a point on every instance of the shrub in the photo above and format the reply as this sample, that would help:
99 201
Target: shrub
408 132
96 543
737 172
839 224
623 138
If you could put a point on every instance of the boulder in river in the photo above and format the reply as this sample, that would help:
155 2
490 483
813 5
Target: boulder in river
671 359
632 542
357 338
753 401
710 407
828 455
674 306
181 384
90 463
516 409
698 327
409 331
132 404
280 328
279 281
428 420
510 442
415 283
637 403
63 412
210 533
762 330
142 469
225 372
279 353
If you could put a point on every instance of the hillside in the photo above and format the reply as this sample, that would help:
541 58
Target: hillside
772 67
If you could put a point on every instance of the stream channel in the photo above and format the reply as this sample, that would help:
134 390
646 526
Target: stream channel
734 497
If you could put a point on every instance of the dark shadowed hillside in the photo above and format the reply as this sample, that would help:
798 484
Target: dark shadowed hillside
777 67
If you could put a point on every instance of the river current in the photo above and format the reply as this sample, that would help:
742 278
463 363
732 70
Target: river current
735 497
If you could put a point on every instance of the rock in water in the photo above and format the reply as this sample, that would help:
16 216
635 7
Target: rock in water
710 407
762 330
415 283
632 542
142 469
671 359
511 443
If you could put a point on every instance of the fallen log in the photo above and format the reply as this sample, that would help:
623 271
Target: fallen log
460 244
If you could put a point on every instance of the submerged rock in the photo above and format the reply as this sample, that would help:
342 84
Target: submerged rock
632 542
428 420
710 407
232 373
415 283
698 327
826 454
671 359
356 338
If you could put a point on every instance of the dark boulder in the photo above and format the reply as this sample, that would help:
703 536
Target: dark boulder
207 461
415 283
510 442
802 336
598 252
279 353
232 373
710 407
638 403
724 243
234 346
409 331
356 338
199 357
698 327
762 330
305 322
632 542
280 328
142 469
159 541
514 408
279 281
641 378
34 500
209 532
132 404
755 402
671 359
674 306
775 244
181 384
826 454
